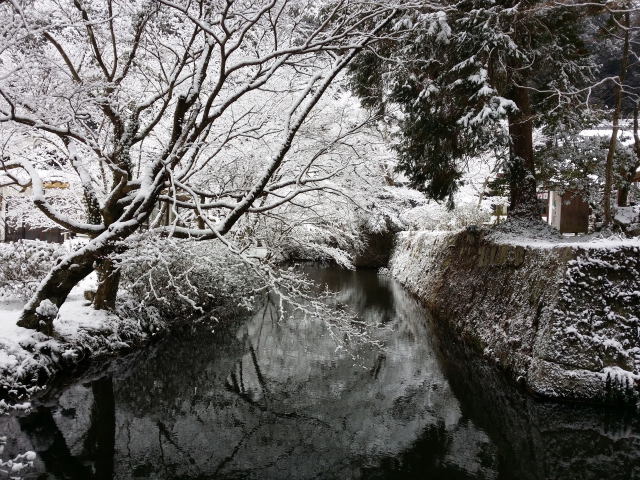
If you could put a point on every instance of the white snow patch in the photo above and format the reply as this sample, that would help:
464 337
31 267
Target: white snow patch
25 352
620 374
47 309
627 215
585 241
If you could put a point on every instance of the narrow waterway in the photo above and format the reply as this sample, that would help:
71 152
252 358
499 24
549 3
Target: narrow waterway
261 399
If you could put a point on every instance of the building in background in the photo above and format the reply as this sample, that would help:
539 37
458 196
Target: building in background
17 211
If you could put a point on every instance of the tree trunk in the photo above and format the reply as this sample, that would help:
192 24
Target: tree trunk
623 195
608 173
55 288
630 173
108 283
66 275
522 178
77 265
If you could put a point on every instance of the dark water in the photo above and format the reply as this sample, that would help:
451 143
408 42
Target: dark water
259 399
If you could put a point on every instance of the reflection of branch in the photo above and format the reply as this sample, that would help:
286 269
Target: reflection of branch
238 388
235 450
261 380
164 463
287 415
163 430
235 382
380 361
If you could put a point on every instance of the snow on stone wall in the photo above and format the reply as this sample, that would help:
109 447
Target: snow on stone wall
562 318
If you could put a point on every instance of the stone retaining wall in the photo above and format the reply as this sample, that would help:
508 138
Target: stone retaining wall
562 319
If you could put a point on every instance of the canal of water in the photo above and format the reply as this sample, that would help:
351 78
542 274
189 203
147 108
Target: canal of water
259 398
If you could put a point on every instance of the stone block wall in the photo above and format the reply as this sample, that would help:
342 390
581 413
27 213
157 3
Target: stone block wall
563 319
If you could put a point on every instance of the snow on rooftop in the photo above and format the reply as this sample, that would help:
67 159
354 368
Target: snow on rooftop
49 175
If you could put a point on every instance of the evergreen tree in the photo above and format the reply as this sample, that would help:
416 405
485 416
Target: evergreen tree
459 73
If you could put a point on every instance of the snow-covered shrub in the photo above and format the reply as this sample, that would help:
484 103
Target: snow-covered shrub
319 245
164 280
23 265
167 279
628 220
436 216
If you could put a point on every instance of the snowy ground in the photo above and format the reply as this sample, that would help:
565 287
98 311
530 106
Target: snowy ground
592 241
29 358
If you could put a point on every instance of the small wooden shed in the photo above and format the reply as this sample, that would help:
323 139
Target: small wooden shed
568 212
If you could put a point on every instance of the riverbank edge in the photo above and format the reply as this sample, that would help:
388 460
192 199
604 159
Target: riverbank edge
84 339
83 336
561 318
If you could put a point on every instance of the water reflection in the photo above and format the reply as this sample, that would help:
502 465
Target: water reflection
263 399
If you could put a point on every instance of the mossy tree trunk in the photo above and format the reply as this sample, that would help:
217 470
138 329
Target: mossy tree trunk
522 176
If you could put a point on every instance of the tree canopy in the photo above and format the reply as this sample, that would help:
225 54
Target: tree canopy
475 75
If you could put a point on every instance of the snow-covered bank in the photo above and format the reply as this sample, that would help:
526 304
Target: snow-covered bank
164 284
29 359
560 316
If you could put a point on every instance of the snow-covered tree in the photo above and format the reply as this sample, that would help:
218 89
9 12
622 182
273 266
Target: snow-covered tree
575 163
474 76
349 195
620 31
150 104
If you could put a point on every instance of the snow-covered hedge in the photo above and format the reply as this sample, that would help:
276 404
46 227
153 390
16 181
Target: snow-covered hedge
23 265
